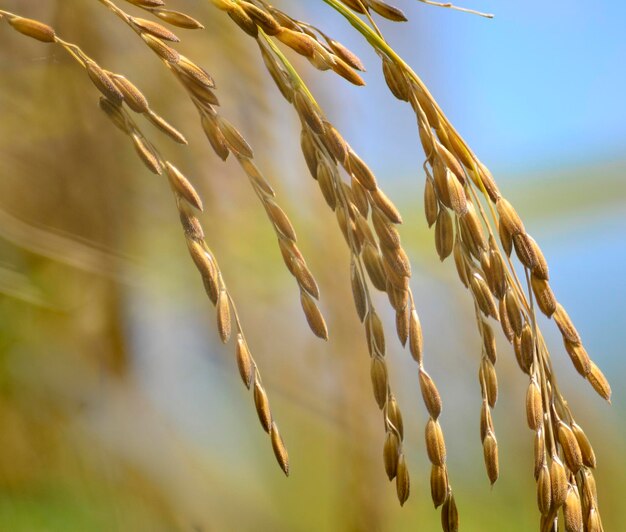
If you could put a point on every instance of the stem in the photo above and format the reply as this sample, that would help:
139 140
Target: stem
455 8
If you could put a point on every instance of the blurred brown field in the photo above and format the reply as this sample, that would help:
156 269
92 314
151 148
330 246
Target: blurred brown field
120 409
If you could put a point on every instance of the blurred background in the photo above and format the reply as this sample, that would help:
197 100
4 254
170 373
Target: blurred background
119 407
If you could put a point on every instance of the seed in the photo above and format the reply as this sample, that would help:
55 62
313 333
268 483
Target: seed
416 337
496 276
488 375
579 357
326 182
215 137
458 201
438 484
280 220
244 361
386 231
166 127
543 295
534 407
597 379
262 406
194 73
387 11
391 453
358 290
539 451
280 451
154 28
505 239
540 269
525 250
435 444
513 312
402 480
544 494
489 341
33 28
379 380
133 97
450 515
558 480
175 18
340 67
472 226
360 171
571 449
572 511
313 316
589 457
403 317
486 423
395 79
504 321
243 20
565 325
482 296
386 206
104 83
234 139
299 42
509 218
262 18
347 55
431 205
527 348
394 415
308 113
444 234
430 394
147 154
223 316
182 186
335 143
490 451
374 266
451 162
164 51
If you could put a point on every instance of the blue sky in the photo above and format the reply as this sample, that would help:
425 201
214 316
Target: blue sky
541 85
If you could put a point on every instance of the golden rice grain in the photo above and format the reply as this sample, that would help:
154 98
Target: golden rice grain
558 481
572 511
223 316
435 445
244 361
262 406
438 484
402 480
33 28
280 451
313 316
490 451
391 453
430 394
588 456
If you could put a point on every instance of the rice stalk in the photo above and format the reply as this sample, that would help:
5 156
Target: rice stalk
472 222
226 139
187 201
456 181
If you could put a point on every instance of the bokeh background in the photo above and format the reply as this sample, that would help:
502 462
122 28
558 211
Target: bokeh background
119 407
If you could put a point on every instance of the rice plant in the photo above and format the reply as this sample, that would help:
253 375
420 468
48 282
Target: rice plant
474 226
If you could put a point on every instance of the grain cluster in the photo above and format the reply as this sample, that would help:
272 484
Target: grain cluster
498 262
